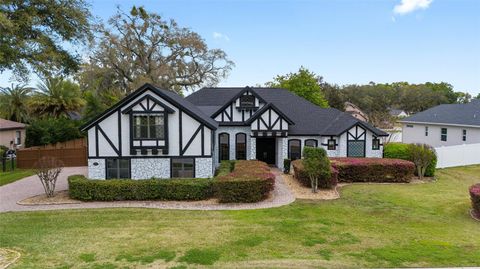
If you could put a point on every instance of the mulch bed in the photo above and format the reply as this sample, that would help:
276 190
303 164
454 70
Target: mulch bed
60 198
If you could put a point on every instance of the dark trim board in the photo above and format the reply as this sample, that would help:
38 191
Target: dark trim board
234 98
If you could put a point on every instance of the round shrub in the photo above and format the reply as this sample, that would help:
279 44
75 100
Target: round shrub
302 177
475 196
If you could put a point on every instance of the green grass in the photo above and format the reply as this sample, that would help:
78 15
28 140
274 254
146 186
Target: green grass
12 176
400 225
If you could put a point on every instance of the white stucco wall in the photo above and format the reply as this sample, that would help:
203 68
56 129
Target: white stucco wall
416 134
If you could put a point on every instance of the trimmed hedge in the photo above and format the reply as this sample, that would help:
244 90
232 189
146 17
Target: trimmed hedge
85 189
300 175
400 151
250 181
475 196
373 170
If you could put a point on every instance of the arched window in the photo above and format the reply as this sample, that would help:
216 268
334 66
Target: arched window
240 146
294 149
224 147
311 143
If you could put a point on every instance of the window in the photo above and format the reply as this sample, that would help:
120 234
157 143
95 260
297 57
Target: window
426 130
118 168
464 135
331 144
224 145
18 137
294 149
183 168
311 143
375 144
148 127
240 146
247 101
443 135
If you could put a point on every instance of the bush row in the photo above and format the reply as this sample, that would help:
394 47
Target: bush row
475 196
373 170
300 174
149 189
401 151
250 181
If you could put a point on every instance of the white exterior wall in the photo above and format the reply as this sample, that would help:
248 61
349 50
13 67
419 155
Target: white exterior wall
416 134
117 130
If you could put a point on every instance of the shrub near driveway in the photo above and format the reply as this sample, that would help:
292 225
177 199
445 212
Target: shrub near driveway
85 189
373 170
249 182
475 196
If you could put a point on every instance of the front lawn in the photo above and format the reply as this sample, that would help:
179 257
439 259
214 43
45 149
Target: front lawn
370 226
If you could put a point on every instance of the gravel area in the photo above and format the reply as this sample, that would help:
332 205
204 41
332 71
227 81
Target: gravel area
28 187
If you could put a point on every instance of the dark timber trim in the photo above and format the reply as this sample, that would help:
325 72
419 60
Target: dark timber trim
191 140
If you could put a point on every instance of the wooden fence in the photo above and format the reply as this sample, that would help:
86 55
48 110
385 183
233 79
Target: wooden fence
71 153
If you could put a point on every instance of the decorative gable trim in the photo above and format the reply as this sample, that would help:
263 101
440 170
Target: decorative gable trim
265 108
152 102
234 98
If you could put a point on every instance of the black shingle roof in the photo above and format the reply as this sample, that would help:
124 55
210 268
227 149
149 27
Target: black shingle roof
458 114
309 119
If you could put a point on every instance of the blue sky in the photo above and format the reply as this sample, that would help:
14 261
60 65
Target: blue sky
347 41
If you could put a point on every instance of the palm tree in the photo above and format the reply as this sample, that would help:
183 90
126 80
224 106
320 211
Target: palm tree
14 102
56 97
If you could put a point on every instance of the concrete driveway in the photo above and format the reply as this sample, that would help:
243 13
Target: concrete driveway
11 193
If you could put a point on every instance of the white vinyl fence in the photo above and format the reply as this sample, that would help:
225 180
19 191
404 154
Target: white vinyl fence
459 155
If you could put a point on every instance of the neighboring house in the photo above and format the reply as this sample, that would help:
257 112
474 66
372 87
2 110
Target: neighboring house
398 113
355 111
12 134
444 125
156 133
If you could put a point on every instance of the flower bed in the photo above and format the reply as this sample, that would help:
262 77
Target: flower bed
302 177
475 196
373 170
85 189
250 181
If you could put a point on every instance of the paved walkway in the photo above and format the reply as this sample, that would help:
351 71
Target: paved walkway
19 190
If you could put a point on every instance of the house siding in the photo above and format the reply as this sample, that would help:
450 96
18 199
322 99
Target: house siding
416 134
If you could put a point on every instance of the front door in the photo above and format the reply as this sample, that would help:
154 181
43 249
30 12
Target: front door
266 150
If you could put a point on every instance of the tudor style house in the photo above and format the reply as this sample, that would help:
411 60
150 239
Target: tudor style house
156 133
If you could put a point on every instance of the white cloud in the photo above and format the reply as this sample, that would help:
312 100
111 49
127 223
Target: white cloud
407 6
220 36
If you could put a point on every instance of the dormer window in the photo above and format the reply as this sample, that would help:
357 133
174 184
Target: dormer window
149 126
247 101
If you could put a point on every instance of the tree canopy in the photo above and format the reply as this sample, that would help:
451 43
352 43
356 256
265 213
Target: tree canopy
35 35
140 46
303 83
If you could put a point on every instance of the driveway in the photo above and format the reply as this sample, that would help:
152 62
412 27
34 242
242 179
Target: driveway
11 193
30 186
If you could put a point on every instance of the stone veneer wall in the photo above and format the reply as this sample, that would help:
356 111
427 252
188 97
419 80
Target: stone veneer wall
150 167
96 171
203 167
